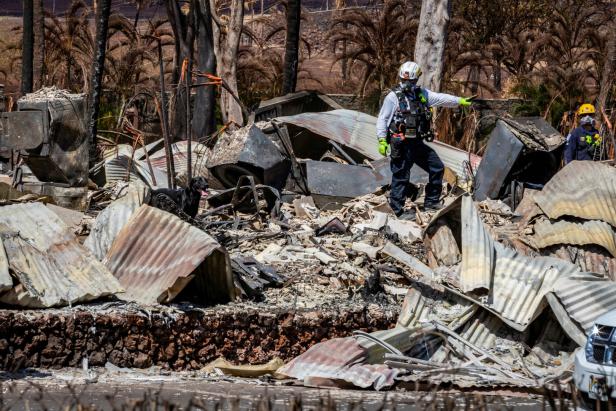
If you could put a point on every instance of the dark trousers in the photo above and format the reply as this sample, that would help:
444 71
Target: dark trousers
404 154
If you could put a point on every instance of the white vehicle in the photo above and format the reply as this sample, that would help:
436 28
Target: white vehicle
595 365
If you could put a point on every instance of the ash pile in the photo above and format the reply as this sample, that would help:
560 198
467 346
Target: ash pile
496 289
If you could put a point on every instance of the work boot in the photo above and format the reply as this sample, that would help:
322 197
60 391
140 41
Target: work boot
433 206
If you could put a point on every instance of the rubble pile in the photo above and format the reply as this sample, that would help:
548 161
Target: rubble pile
297 254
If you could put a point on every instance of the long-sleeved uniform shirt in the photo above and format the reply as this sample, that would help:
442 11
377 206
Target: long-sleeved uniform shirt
391 104
576 147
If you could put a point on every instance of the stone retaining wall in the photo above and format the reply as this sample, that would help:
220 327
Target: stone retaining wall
180 340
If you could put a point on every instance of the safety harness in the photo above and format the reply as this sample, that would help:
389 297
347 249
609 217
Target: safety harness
413 118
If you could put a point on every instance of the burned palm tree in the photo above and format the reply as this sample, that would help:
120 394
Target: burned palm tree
573 44
291 49
377 40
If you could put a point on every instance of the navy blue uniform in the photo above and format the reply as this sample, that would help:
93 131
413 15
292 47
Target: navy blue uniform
405 153
577 148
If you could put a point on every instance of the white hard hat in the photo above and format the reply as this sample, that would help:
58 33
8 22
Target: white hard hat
409 71
587 120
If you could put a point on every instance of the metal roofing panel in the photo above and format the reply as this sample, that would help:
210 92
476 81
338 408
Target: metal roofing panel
584 189
586 296
52 267
340 359
477 249
112 219
566 232
156 254
519 283
180 158
357 130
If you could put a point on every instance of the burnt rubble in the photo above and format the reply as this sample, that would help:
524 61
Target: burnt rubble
295 254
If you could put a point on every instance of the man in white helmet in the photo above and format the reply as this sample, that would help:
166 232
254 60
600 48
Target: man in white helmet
404 123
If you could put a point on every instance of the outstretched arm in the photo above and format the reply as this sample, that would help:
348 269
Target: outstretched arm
441 99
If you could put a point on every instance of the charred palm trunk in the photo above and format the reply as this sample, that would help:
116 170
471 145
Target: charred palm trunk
27 60
609 69
291 55
205 100
39 44
98 69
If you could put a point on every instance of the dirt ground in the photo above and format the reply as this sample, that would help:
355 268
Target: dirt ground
114 388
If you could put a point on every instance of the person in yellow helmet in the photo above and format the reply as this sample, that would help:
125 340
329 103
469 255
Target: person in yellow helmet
584 142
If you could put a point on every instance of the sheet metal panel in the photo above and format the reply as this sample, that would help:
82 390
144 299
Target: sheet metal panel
155 255
566 232
584 189
53 269
112 219
501 153
357 130
477 250
340 359
586 296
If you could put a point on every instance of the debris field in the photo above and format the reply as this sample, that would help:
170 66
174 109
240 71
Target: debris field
295 254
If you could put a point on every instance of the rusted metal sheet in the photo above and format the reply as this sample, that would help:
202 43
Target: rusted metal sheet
156 255
112 219
340 359
566 232
584 189
357 131
477 250
52 268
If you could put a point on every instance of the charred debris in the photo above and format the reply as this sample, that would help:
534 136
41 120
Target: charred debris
496 289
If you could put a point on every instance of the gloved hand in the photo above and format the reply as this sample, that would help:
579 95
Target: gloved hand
383 146
464 102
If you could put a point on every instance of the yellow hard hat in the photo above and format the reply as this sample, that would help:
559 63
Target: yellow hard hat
586 109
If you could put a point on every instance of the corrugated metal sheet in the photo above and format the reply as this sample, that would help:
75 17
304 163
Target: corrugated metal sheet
477 249
584 189
358 131
566 232
155 255
591 259
53 269
518 283
112 219
586 296
117 162
180 158
340 359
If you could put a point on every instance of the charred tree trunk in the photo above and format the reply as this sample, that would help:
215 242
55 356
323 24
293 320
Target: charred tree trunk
27 59
496 72
291 55
183 34
39 44
98 69
228 44
431 41
609 68
204 122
